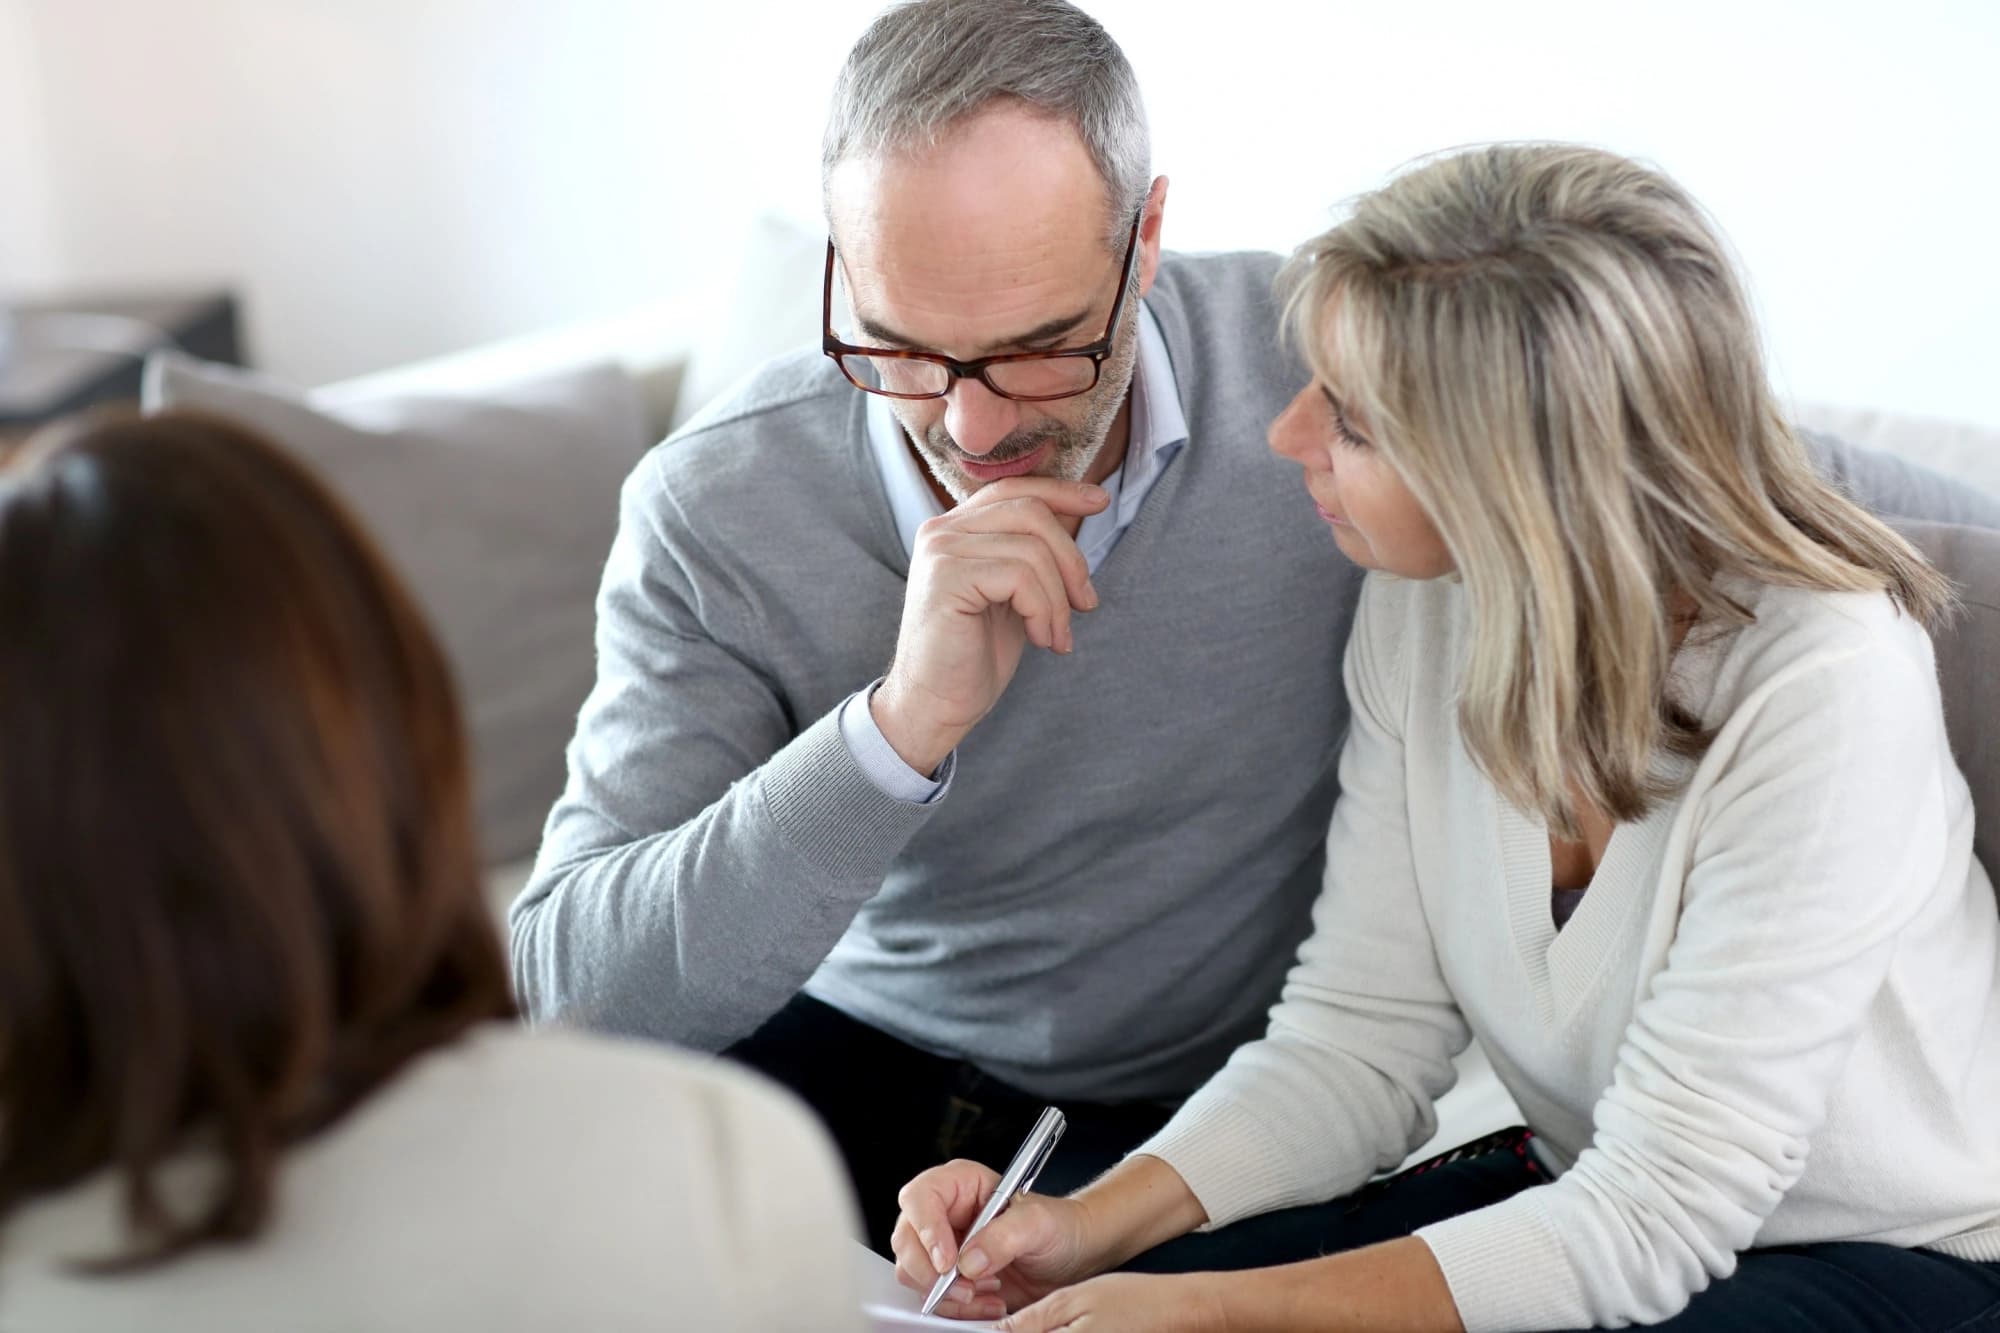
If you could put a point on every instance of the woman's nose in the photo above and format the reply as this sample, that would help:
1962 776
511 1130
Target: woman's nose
1292 434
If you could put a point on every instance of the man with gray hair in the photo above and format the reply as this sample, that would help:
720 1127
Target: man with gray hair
1065 846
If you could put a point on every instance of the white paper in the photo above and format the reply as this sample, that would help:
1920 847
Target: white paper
892 1307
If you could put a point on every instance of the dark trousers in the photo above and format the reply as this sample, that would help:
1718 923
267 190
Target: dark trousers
1835 1288
895 1110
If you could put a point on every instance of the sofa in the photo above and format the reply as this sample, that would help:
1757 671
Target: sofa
491 474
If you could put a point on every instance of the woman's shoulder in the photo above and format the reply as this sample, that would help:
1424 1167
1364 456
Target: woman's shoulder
571 1072
584 1177
1404 625
1818 653
1841 621
569 1105
1800 629
615 1089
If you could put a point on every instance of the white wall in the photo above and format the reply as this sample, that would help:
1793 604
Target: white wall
384 180
1848 148
380 180
27 236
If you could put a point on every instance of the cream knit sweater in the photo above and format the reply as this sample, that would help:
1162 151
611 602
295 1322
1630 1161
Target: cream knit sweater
510 1182
1773 1020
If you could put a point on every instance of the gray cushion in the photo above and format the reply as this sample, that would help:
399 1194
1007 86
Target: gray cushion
499 512
1968 658
1894 487
1960 449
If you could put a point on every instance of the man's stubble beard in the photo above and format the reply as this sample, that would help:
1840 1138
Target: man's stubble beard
1075 447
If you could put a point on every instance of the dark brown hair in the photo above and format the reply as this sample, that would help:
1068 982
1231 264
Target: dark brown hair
239 885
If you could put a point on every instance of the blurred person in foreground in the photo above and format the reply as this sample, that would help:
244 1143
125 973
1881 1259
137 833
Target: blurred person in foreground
259 1067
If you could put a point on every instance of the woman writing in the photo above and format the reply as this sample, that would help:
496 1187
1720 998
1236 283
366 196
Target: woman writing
1647 787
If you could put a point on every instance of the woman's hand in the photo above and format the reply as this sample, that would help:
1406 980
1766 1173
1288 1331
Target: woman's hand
1033 1248
1126 1303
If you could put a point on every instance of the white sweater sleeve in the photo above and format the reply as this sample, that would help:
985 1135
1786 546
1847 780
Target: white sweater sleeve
1820 836
1361 1041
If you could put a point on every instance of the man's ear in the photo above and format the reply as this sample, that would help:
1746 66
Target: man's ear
1149 233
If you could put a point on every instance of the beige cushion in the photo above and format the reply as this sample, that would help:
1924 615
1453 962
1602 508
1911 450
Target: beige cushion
499 512
650 343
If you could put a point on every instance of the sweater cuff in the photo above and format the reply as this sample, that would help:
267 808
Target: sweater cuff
1228 1159
831 811
1507 1267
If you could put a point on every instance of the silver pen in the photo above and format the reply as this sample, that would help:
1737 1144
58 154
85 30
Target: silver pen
1017 1180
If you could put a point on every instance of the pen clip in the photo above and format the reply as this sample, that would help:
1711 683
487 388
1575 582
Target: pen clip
1042 1155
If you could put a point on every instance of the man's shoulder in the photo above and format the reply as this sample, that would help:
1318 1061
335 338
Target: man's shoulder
1218 314
1212 283
787 421
799 386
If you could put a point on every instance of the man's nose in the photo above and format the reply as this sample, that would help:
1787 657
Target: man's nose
977 417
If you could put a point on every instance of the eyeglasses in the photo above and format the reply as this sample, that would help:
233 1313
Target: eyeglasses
1027 377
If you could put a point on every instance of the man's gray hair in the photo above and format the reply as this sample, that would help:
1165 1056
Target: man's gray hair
926 65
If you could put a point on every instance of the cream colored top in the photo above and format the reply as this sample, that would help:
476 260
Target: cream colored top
1773 1020
515 1180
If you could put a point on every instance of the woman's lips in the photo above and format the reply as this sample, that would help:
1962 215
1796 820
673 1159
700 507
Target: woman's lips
1329 515
1021 466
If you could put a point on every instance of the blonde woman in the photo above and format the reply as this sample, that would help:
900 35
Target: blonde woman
1647 787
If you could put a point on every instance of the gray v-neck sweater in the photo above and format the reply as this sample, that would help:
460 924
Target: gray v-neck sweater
1105 902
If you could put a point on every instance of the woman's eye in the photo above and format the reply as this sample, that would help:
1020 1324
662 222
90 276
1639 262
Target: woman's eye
1342 431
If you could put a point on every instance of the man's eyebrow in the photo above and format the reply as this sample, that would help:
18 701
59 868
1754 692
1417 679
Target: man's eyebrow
1047 331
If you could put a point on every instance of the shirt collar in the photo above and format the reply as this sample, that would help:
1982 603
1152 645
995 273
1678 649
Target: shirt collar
1158 431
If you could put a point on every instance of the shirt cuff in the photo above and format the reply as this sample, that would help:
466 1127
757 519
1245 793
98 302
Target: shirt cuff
879 760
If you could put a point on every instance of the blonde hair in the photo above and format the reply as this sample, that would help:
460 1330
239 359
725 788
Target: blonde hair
1550 346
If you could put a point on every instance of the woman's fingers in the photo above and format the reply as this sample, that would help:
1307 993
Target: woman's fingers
937 1208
